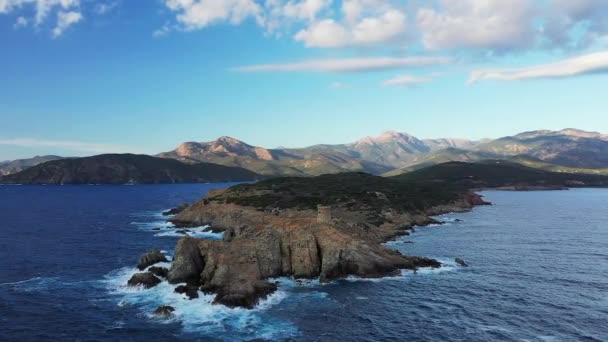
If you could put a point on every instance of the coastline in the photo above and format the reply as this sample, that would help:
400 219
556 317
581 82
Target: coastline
260 245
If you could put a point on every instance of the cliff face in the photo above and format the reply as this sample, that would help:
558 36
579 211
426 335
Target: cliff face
259 246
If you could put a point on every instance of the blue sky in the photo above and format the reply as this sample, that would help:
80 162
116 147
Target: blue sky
81 77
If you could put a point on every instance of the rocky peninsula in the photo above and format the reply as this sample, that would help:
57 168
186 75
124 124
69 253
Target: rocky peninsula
325 227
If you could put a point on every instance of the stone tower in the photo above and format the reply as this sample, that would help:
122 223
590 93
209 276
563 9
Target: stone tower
324 215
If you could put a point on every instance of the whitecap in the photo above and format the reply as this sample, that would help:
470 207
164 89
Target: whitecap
291 282
34 279
200 315
197 232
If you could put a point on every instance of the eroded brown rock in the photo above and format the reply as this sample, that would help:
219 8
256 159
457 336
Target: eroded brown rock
187 262
292 243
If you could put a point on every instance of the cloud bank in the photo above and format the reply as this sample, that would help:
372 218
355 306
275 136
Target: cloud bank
586 64
68 145
406 81
491 26
348 64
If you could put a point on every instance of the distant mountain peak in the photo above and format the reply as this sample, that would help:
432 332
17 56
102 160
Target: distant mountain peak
224 146
570 132
386 137
229 140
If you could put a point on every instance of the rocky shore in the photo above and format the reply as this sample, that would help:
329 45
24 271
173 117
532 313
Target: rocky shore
329 241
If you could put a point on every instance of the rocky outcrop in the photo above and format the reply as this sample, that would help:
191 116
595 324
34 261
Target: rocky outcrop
190 290
164 311
152 257
268 246
160 272
465 203
187 262
146 279
460 262
176 210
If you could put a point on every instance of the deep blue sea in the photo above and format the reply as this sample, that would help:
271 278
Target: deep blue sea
538 272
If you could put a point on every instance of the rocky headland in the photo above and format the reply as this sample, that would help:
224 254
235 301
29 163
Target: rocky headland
326 227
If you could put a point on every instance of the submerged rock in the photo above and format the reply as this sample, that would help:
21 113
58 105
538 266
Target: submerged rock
164 311
152 257
461 262
146 279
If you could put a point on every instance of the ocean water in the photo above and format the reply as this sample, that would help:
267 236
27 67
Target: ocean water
538 272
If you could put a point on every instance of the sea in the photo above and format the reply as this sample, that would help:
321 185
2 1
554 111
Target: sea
537 271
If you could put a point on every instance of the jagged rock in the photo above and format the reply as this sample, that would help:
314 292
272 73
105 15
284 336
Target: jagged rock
244 295
273 246
152 257
190 290
164 311
161 272
183 231
461 262
146 279
175 210
187 263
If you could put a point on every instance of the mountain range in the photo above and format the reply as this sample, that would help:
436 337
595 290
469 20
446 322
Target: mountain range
394 153
389 154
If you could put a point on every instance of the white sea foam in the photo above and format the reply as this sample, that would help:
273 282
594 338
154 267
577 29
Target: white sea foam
200 315
161 228
35 280
198 232
291 282
446 266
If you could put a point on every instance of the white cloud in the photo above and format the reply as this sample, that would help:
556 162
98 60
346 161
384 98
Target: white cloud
325 33
304 9
564 17
68 12
489 24
349 64
68 145
406 81
316 23
197 14
374 29
65 20
587 64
